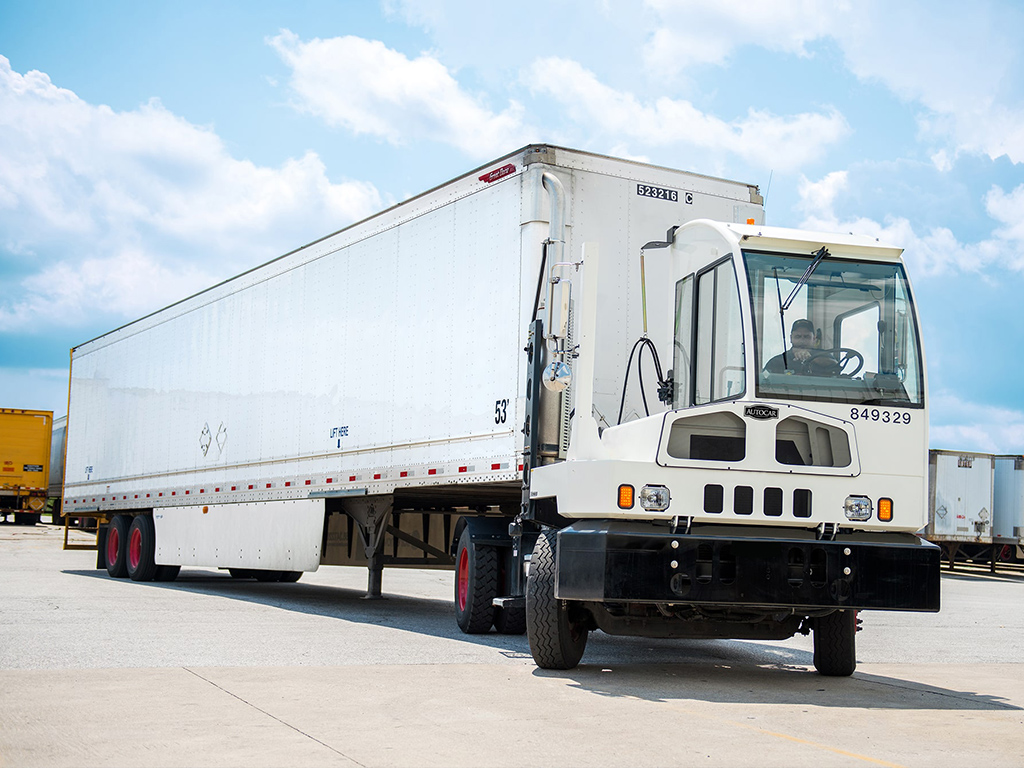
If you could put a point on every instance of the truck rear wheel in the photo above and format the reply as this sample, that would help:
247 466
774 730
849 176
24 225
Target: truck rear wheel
835 646
117 547
141 549
290 577
267 575
557 641
476 585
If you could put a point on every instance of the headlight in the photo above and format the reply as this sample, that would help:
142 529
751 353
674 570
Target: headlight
654 498
857 508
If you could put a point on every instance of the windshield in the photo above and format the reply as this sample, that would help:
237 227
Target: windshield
847 334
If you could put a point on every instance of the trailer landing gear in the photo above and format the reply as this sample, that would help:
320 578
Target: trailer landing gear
557 638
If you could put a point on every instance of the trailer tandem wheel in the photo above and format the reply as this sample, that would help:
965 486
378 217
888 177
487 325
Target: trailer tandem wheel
835 644
476 585
557 641
116 551
142 549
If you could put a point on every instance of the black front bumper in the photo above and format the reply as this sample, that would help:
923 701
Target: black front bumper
612 561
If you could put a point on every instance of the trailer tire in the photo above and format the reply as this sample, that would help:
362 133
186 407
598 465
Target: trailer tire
290 577
267 575
166 572
116 549
557 641
476 585
141 560
26 518
242 573
835 645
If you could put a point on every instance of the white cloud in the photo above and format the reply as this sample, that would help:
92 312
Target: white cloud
936 252
118 213
761 138
1008 209
367 88
708 31
819 197
961 65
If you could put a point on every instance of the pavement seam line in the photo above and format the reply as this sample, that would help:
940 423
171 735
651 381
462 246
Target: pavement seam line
274 717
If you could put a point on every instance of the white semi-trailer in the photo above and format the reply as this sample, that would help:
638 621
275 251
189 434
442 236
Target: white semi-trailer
603 392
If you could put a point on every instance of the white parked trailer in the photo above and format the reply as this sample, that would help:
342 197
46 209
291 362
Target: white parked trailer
961 489
459 382
1008 504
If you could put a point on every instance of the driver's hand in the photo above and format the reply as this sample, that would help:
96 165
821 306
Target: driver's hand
801 355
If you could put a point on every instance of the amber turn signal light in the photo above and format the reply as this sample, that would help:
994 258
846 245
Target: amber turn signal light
885 510
626 496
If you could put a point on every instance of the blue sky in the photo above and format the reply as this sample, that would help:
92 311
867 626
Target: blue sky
148 150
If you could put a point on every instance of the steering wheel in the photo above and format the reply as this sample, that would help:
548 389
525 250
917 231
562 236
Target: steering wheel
841 357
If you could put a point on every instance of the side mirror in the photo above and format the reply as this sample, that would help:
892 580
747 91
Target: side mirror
557 376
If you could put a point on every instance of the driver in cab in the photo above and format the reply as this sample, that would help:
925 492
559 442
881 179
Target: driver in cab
803 357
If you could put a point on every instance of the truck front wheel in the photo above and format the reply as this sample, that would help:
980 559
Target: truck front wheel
116 551
476 585
835 646
557 640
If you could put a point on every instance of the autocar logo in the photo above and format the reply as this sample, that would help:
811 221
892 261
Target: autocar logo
761 412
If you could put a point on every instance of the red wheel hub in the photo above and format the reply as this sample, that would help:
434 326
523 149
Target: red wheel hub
113 545
135 549
463 579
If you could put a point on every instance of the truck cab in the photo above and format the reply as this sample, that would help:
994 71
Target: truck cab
780 487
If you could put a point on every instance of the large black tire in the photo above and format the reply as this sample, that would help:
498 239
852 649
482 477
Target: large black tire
835 646
557 641
166 572
141 560
116 548
476 585
290 577
242 573
267 575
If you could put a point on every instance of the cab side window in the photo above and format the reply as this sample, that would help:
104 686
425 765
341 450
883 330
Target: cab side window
720 357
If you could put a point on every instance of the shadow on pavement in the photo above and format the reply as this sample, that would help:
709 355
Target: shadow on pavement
724 671
777 683
425 615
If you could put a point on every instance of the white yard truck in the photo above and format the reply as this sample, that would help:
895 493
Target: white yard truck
473 379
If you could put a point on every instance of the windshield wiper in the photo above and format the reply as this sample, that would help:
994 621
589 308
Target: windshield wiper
819 254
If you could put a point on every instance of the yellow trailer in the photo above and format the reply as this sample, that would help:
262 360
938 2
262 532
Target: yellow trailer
24 463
